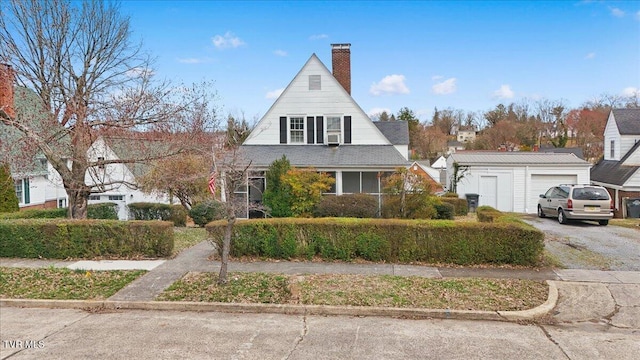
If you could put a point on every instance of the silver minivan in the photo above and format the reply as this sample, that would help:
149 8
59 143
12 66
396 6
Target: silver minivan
576 202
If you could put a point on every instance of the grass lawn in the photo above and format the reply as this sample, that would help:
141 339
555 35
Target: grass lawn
629 223
62 284
360 290
186 237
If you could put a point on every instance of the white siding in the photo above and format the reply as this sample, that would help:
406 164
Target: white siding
626 143
633 159
332 99
633 183
611 133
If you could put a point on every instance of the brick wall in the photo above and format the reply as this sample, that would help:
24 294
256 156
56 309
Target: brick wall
341 64
6 89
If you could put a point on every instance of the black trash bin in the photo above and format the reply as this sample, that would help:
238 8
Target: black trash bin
633 208
472 201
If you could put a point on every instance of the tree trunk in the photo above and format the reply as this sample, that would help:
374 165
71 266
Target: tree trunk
78 201
226 246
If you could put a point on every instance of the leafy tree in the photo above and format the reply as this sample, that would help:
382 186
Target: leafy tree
277 195
307 186
184 177
8 199
407 196
90 79
406 114
237 131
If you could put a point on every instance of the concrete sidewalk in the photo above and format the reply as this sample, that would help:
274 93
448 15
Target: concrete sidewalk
612 297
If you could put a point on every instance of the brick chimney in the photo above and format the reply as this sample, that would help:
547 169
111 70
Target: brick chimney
341 64
7 79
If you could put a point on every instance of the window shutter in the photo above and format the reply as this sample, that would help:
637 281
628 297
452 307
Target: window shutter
283 129
26 190
347 129
320 130
310 130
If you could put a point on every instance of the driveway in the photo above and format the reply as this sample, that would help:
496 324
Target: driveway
587 245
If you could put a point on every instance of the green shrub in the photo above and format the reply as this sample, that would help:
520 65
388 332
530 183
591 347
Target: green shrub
205 212
64 238
36 214
389 240
487 214
106 211
417 206
157 211
450 195
9 202
444 211
351 205
460 206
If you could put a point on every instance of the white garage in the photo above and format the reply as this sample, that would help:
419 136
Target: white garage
513 181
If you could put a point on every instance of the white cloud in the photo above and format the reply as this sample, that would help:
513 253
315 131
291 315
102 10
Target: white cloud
390 84
377 111
504 92
274 94
437 77
193 60
280 53
446 87
590 55
616 12
630 92
318 37
228 40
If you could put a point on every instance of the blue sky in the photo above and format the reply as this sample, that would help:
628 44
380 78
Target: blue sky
468 55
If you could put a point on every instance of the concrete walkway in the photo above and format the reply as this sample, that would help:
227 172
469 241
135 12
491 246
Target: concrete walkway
612 297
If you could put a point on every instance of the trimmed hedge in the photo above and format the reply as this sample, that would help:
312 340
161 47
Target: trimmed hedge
488 214
460 206
156 211
388 240
350 205
106 211
207 211
61 239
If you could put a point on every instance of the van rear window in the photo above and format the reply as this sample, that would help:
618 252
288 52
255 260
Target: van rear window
590 193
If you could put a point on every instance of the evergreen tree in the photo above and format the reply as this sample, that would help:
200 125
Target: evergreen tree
8 198
277 195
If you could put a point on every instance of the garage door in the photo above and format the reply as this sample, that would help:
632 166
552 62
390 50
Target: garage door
541 183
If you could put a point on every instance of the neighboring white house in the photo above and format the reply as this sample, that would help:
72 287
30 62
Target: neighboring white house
316 123
513 181
465 136
619 171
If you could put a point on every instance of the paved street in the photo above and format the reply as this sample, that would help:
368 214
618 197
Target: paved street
74 334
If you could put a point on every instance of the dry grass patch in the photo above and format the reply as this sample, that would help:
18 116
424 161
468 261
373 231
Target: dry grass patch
186 237
62 284
628 223
361 290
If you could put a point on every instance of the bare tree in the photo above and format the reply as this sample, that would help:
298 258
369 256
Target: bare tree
91 80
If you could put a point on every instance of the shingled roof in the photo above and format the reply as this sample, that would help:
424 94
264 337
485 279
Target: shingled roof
516 158
262 156
397 132
628 121
612 171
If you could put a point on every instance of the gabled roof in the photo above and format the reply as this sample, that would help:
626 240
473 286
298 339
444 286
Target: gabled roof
261 156
627 120
612 172
397 132
516 158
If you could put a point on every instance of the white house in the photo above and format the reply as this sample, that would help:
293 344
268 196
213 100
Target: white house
39 185
619 171
513 181
316 123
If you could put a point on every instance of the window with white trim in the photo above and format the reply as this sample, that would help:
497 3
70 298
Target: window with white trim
296 130
334 129
22 191
314 82
116 197
613 149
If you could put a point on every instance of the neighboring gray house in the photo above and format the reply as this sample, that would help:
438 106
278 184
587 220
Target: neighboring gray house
513 181
316 123
619 170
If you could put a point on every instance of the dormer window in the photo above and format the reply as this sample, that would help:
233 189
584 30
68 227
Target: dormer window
296 130
613 149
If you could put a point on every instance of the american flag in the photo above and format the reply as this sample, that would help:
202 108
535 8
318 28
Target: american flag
212 183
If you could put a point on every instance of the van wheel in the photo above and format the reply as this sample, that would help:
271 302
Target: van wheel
562 219
540 212
603 222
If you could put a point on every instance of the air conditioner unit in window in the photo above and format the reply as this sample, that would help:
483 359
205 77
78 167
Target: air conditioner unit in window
333 139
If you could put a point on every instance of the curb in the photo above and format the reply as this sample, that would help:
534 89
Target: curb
290 309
